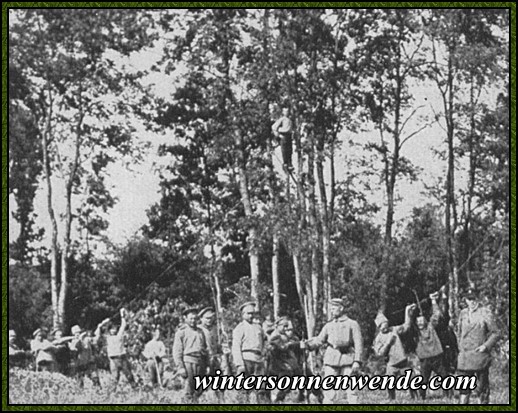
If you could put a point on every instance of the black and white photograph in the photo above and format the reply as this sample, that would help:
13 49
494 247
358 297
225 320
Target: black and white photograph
258 206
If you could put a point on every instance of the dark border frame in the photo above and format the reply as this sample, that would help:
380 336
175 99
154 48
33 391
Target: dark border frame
5 199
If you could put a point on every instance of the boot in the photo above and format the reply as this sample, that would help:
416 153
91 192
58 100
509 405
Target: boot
464 399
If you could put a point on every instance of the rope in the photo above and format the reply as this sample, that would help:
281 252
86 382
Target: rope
419 302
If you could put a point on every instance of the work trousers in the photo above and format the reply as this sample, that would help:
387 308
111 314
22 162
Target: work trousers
333 396
429 365
120 364
262 396
87 370
154 368
286 148
192 370
482 384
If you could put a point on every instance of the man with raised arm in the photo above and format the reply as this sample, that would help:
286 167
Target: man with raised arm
388 344
83 348
116 350
43 351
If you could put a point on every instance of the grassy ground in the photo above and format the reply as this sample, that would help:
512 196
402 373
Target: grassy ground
29 387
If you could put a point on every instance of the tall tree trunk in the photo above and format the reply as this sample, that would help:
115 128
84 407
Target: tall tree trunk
54 246
253 253
324 221
276 240
451 216
471 181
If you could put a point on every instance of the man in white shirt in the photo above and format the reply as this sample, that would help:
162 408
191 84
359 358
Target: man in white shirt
154 352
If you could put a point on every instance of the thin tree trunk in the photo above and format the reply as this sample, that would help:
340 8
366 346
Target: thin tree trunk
54 246
247 205
450 195
324 220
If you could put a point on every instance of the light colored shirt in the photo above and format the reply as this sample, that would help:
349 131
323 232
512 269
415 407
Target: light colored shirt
43 350
282 125
115 344
154 348
248 343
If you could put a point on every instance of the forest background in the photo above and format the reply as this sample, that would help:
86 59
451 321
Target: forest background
158 122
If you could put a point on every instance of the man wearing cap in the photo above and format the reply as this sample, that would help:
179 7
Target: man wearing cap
43 351
388 344
477 334
154 352
281 361
62 352
285 353
249 346
116 351
217 360
83 348
190 353
343 354
17 356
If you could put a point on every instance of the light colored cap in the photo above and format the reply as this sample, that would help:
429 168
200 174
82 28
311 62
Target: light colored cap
380 319
337 301
248 304
75 329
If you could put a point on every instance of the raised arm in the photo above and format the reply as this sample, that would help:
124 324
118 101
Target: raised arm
437 313
403 328
124 323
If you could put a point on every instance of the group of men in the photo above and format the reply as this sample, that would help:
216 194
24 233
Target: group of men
76 354
438 349
273 349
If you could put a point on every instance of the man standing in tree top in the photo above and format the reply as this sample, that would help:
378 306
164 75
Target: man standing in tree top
344 342
477 334
43 351
388 344
17 356
429 349
154 352
282 129
116 351
82 348
190 353
249 346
